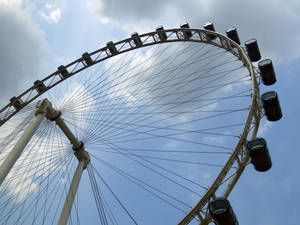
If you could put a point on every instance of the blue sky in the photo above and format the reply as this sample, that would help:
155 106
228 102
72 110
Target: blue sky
38 36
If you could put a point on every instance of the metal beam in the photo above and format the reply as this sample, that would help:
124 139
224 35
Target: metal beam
83 158
17 150
65 213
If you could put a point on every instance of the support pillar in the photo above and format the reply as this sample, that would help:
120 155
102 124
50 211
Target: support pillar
15 153
65 213
44 108
83 158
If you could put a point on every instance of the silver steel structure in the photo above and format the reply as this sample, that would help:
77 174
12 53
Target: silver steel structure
239 155
44 108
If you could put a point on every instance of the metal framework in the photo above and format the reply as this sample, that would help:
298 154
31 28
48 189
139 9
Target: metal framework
238 156
44 109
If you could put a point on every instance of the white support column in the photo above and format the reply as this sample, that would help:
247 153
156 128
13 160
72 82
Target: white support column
82 156
55 115
74 141
83 159
65 213
15 153
44 108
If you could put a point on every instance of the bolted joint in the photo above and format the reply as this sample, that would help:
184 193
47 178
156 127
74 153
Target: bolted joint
83 156
52 114
42 106
79 148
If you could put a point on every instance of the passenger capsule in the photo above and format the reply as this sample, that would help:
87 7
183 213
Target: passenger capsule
112 48
221 211
62 70
267 71
210 26
253 50
87 59
16 103
136 39
233 35
271 106
39 86
187 34
259 154
161 33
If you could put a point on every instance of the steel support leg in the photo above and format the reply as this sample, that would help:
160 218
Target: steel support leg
44 108
65 213
15 153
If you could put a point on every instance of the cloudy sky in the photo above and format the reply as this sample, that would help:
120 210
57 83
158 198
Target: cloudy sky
38 36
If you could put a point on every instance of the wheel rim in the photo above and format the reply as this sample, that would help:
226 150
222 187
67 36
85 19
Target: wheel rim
175 35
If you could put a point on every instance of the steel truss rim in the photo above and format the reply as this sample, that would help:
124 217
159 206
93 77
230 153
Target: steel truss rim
198 35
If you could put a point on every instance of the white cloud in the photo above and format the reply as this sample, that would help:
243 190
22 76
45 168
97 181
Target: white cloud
41 159
97 7
214 140
22 47
68 103
53 16
252 19
11 2
52 12
63 181
264 127
133 15
35 161
48 6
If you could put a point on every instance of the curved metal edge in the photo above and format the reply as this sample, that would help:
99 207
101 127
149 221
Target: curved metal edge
253 113
147 39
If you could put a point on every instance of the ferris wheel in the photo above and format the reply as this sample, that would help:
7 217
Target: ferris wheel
153 129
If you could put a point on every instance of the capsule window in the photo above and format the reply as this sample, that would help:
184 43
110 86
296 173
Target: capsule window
186 33
222 213
219 206
253 50
112 48
136 39
161 33
62 70
16 103
271 106
233 35
39 86
185 25
210 26
259 154
256 144
87 58
267 71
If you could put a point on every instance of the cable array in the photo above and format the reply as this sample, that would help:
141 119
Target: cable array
159 123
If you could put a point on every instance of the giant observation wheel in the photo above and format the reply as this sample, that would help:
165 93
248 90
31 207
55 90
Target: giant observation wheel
160 121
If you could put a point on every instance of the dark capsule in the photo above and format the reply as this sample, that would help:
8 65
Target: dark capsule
210 26
221 211
87 59
112 48
136 39
267 71
62 70
161 33
16 103
39 86
187 34
259 154
271 106
233 35
253 50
